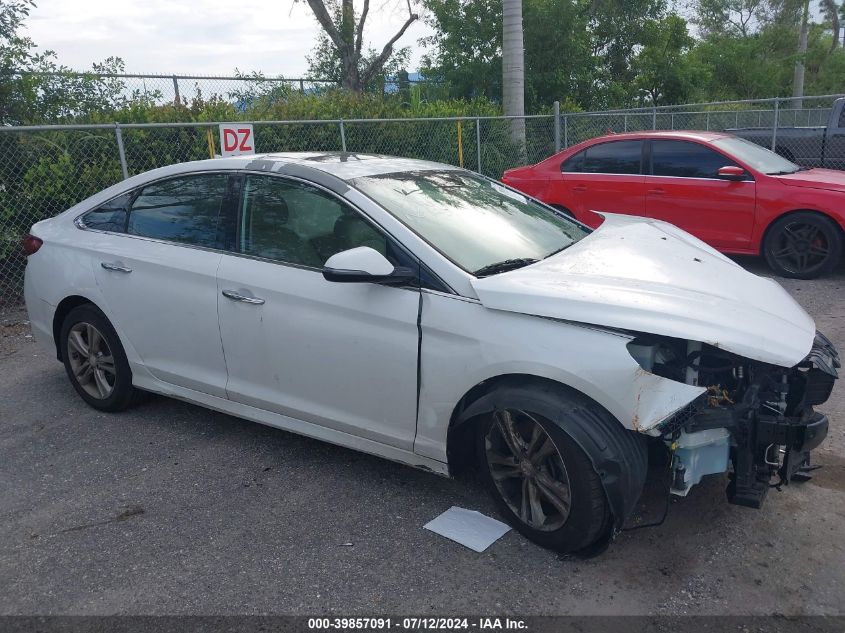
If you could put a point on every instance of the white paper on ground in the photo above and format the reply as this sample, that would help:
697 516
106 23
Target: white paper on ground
468 527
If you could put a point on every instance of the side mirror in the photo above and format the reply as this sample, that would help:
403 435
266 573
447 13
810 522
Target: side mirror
731 172
365 265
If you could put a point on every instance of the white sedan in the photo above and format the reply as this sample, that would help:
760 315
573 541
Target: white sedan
426 314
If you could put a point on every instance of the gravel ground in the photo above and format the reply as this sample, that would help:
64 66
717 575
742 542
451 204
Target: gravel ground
172 509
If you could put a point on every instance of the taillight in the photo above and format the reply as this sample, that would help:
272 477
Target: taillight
31 244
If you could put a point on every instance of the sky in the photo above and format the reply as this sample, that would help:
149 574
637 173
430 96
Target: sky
200 36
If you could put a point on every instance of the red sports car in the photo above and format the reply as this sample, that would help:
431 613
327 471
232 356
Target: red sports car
731 193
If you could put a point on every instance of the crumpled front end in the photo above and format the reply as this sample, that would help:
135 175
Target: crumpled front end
756 416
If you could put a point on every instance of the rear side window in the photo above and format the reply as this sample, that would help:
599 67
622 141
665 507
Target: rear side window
615 157
183 210
684 159
110 216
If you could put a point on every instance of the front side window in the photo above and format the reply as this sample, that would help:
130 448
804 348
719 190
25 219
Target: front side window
183 210
292 222
614 157
684 159
474 222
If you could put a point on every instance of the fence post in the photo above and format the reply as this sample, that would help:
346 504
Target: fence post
121 152
556 112
301 86
176 99
478 142
342 136
653 118
775 126
625 122
460 145
565 131
707 121
672 120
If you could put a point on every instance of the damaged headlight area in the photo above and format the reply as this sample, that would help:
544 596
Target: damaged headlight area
754 419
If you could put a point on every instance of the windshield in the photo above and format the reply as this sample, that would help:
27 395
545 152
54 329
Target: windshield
756 157
478 224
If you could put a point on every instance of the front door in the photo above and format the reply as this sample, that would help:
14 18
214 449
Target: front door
341 355
683 188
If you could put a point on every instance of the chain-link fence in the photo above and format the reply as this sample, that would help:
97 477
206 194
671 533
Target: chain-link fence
46 169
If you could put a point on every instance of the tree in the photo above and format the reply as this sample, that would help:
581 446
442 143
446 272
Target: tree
831 12
513 68
798 81
466 46
665 70
344 32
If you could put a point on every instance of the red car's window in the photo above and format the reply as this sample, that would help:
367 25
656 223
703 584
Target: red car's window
614 157
683 159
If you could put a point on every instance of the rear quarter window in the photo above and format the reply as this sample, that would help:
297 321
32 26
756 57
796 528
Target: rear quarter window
110 216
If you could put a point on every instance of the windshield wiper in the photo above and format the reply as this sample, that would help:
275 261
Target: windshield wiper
504 266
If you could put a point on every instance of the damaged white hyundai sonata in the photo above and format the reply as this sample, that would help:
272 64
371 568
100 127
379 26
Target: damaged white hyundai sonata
431 316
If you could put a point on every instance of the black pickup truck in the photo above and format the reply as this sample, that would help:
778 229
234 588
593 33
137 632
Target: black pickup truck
815 146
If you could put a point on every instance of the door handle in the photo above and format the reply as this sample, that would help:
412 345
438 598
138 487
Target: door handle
235 296
579 188
656 192
115 267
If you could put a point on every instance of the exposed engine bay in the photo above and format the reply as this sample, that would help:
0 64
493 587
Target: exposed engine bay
757 417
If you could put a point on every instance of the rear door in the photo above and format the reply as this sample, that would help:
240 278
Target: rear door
158 275
606 177
683 188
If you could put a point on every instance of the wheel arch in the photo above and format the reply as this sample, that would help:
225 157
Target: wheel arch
767 229
62 310
618 455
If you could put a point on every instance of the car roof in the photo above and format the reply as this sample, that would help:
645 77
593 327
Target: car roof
692 135
342 165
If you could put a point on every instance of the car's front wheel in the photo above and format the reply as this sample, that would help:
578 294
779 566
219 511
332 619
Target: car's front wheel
803 245
95 361
542 481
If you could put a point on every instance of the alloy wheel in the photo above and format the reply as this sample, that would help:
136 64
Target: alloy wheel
91 360
801 248
528 470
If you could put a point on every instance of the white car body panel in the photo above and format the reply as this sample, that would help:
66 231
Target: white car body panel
465 343
648 276
176 286
353 377
340 355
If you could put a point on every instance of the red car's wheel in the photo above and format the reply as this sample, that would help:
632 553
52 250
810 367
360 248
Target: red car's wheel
803 245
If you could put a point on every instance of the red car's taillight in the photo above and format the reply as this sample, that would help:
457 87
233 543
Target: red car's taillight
31 244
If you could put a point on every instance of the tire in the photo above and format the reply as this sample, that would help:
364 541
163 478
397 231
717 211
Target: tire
588 517
803 245
104 385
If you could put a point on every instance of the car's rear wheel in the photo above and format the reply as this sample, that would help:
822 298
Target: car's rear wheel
803 245
95 361
543 482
